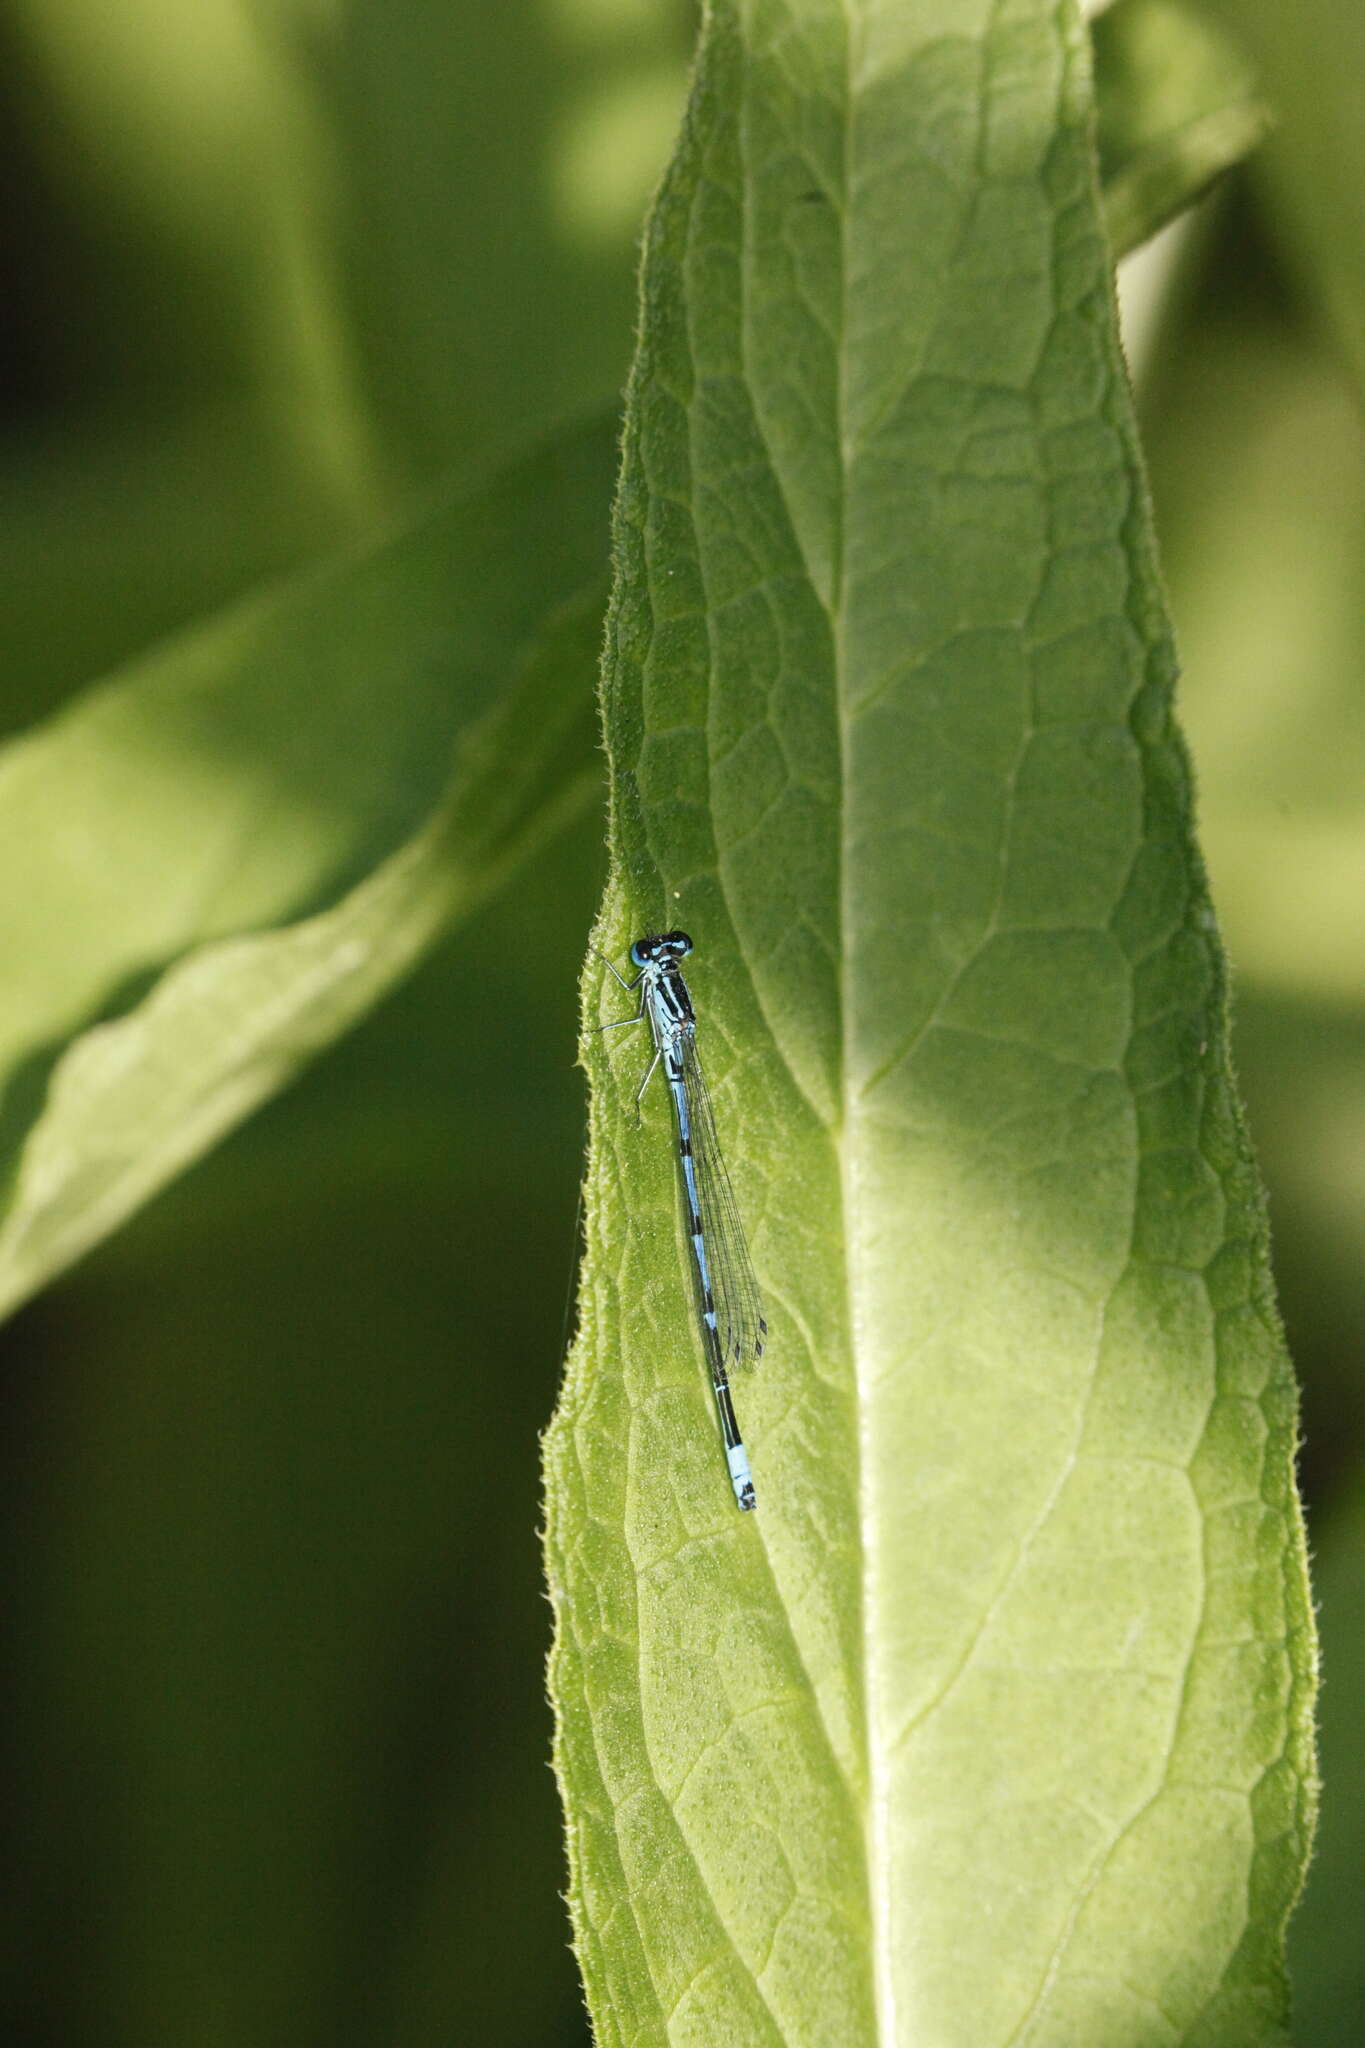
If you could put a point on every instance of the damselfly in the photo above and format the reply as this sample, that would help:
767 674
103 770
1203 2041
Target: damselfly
733 1329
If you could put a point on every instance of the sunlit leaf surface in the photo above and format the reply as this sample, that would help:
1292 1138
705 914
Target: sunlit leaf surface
990 1727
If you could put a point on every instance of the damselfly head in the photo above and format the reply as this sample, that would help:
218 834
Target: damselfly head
662 948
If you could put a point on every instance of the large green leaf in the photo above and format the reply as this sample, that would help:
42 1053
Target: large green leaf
991 1726
274 816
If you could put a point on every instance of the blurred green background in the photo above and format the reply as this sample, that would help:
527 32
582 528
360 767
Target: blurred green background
275 1733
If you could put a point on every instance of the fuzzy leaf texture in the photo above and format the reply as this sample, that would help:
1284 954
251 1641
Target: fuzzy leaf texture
991 1726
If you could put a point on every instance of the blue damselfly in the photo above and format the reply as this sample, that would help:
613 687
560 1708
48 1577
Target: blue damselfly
732 1325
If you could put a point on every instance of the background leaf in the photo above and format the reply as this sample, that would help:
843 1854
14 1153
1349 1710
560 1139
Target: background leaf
1259 455
1253 429
1314 172
1176 105
132 1103
469 316
258 767
992 1724
270 1471
275 1728
178 424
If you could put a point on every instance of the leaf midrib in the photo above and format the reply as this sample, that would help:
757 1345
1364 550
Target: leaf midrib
875 1804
